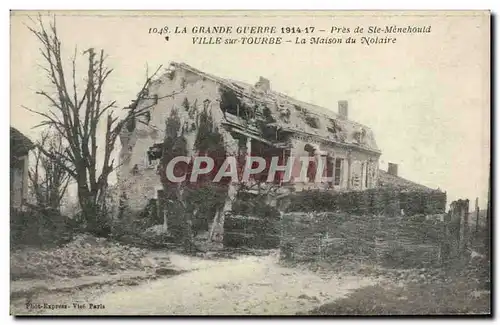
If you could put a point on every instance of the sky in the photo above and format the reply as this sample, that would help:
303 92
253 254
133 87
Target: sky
426 97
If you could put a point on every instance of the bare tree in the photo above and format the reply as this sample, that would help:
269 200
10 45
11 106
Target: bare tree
76 113
47 179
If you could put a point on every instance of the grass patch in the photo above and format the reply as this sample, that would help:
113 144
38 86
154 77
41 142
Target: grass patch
458 297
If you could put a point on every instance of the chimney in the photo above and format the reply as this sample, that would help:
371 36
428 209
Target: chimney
343 109
392 169
263 84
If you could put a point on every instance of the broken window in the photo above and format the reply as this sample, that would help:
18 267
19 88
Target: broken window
171 72
150 162
360 135
230 103
154 153
334 128
312 121
284 111
338 171
268 115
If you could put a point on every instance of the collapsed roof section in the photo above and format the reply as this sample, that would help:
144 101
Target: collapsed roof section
259 103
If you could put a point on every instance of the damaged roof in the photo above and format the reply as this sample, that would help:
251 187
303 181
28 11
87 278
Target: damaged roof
19 143
295 116
387 180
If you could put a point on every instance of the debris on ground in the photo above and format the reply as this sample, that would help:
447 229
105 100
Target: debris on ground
154 237
84 255
157 230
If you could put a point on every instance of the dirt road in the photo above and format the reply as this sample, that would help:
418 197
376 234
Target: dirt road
247 285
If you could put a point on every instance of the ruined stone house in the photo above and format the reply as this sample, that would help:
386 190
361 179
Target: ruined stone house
253 119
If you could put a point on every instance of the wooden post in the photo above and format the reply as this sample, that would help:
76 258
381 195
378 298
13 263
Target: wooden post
477 216
456 220
488 223
466 225
349 170
248 165
487 283
446 243
463 214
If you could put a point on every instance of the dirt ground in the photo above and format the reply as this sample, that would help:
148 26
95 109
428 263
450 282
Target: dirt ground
244 285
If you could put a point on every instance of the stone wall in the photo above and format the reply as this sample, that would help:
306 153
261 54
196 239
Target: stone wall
251 232
336 237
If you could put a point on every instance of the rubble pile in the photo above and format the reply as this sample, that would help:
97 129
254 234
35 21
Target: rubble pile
84 255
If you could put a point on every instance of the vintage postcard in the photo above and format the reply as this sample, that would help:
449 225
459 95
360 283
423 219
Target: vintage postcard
250 163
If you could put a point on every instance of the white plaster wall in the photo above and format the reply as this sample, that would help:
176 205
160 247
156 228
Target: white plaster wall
142 187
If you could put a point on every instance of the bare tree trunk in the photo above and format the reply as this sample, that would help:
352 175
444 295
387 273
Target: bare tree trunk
487 239
89 210
76 112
